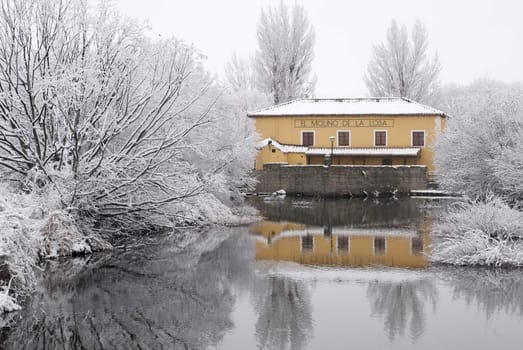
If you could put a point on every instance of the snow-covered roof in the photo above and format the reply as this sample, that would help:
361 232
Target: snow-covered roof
392 106
342 151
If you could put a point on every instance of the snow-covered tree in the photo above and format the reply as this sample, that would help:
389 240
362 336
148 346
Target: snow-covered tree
480 151
480 154
401 66
240 73
122 126
285 53
241 80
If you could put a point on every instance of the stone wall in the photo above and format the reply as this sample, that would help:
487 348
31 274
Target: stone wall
341 180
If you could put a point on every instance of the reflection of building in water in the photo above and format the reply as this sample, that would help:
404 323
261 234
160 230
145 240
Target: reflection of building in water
343 245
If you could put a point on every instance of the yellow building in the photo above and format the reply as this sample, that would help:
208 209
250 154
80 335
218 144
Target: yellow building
353 131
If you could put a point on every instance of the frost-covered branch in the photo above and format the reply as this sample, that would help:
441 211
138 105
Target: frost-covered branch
119 123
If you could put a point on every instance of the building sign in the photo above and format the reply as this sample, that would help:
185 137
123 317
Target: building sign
343 123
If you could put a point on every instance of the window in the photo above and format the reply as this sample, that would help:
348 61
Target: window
380 138
343 138
418 138
307 138
387 161
307 243
416 245
379 246
343 244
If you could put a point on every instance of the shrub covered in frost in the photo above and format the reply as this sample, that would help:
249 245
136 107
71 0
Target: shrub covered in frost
20 218
480 233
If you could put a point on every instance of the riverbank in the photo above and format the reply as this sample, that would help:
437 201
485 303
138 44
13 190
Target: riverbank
36 228
484 233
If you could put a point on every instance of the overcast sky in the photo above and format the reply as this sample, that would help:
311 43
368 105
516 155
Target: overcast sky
482 38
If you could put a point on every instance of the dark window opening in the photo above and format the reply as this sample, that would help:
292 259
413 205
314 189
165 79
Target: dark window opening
386 161
343 244
307 242
417 245
418 138
380 138
343 138
379 246
307 138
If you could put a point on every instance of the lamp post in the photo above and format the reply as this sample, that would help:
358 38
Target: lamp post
332 147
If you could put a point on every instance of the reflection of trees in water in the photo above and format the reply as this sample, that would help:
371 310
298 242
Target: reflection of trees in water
139 300
402 304
284 313
491 290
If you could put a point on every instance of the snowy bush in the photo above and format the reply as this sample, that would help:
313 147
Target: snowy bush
480 233
20 219
62 236
7 303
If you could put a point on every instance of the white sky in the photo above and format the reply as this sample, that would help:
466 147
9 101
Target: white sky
474 39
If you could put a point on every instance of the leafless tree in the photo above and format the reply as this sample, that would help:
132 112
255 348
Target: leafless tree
240 73
241 80
401 66
93 108
285 53
485 125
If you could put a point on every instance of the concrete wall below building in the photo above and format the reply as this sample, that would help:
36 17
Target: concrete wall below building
340 180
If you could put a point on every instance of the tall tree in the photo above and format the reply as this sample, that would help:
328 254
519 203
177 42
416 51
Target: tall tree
285 53
401 66
481 151
241 80
117 123
240 73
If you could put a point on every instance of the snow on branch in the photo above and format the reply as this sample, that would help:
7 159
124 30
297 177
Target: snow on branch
118 123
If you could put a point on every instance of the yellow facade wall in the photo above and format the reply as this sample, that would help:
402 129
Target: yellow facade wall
288 130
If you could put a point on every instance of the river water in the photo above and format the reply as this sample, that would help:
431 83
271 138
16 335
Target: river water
332 274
